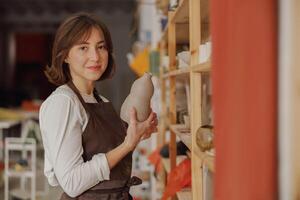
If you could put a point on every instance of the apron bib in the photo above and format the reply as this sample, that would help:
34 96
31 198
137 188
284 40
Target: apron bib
105 131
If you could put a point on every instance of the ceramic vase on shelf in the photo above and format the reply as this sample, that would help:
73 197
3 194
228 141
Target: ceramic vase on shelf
139 97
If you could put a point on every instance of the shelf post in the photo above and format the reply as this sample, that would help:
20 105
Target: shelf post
195 82
172 110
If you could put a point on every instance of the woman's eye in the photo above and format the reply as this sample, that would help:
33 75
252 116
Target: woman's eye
83 48
102 47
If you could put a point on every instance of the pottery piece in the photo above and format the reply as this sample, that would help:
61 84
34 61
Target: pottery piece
139 97
187 121
204 137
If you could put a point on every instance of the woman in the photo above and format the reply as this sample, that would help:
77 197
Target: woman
88 150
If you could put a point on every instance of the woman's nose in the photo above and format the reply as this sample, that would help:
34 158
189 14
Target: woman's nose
94 54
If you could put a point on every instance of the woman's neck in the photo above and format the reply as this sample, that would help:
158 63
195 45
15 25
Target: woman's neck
84 87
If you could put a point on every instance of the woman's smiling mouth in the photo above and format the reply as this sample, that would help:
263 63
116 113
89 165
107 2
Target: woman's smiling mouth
94 68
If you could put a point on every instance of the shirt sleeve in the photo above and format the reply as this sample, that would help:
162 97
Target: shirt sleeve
61 129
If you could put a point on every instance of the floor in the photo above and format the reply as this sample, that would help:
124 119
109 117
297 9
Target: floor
141 192
52 194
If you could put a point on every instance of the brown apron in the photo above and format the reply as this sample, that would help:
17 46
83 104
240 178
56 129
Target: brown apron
104 132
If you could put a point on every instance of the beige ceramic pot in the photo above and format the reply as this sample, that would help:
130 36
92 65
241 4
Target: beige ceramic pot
139 97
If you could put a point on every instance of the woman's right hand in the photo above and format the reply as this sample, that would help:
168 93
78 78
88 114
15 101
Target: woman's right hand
138 130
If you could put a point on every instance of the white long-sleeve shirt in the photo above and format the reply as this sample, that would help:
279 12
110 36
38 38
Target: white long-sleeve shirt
62 122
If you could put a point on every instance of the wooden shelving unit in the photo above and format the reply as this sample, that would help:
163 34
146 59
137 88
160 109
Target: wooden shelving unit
209 162
185 72
181 14
183 133
200 68
182 34
185 26
166 162
178 72
181 18
185 194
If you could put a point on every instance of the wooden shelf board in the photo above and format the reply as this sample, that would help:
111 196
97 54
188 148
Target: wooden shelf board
183 133
189 154
203 67
181 14
182 34
166 162
181 19
178 72
184 72
184 194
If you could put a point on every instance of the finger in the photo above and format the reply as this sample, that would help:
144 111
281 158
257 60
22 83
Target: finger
153 126
146 136
153 129
143 137
155 121
151 117
155 115
133 115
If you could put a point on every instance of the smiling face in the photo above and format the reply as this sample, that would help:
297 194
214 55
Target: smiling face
88 59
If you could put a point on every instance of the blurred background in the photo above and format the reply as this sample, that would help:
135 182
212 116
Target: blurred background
226 79
27 30
27 33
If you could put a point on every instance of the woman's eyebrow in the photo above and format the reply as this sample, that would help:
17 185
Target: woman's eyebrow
85 42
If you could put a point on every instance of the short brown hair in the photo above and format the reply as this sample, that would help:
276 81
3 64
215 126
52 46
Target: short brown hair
73 29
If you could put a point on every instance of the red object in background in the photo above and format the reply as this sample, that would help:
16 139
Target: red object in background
178 178
1 166
155 159
29 51
244 79
30 106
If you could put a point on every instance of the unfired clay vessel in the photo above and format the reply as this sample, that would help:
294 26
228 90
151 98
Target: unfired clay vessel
139 97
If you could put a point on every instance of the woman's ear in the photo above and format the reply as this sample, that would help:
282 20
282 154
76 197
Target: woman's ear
66 60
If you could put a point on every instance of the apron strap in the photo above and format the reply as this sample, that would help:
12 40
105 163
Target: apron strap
76 91
134 180
117 184
97 96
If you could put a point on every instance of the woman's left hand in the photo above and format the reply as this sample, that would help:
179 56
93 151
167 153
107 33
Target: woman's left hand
149 125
